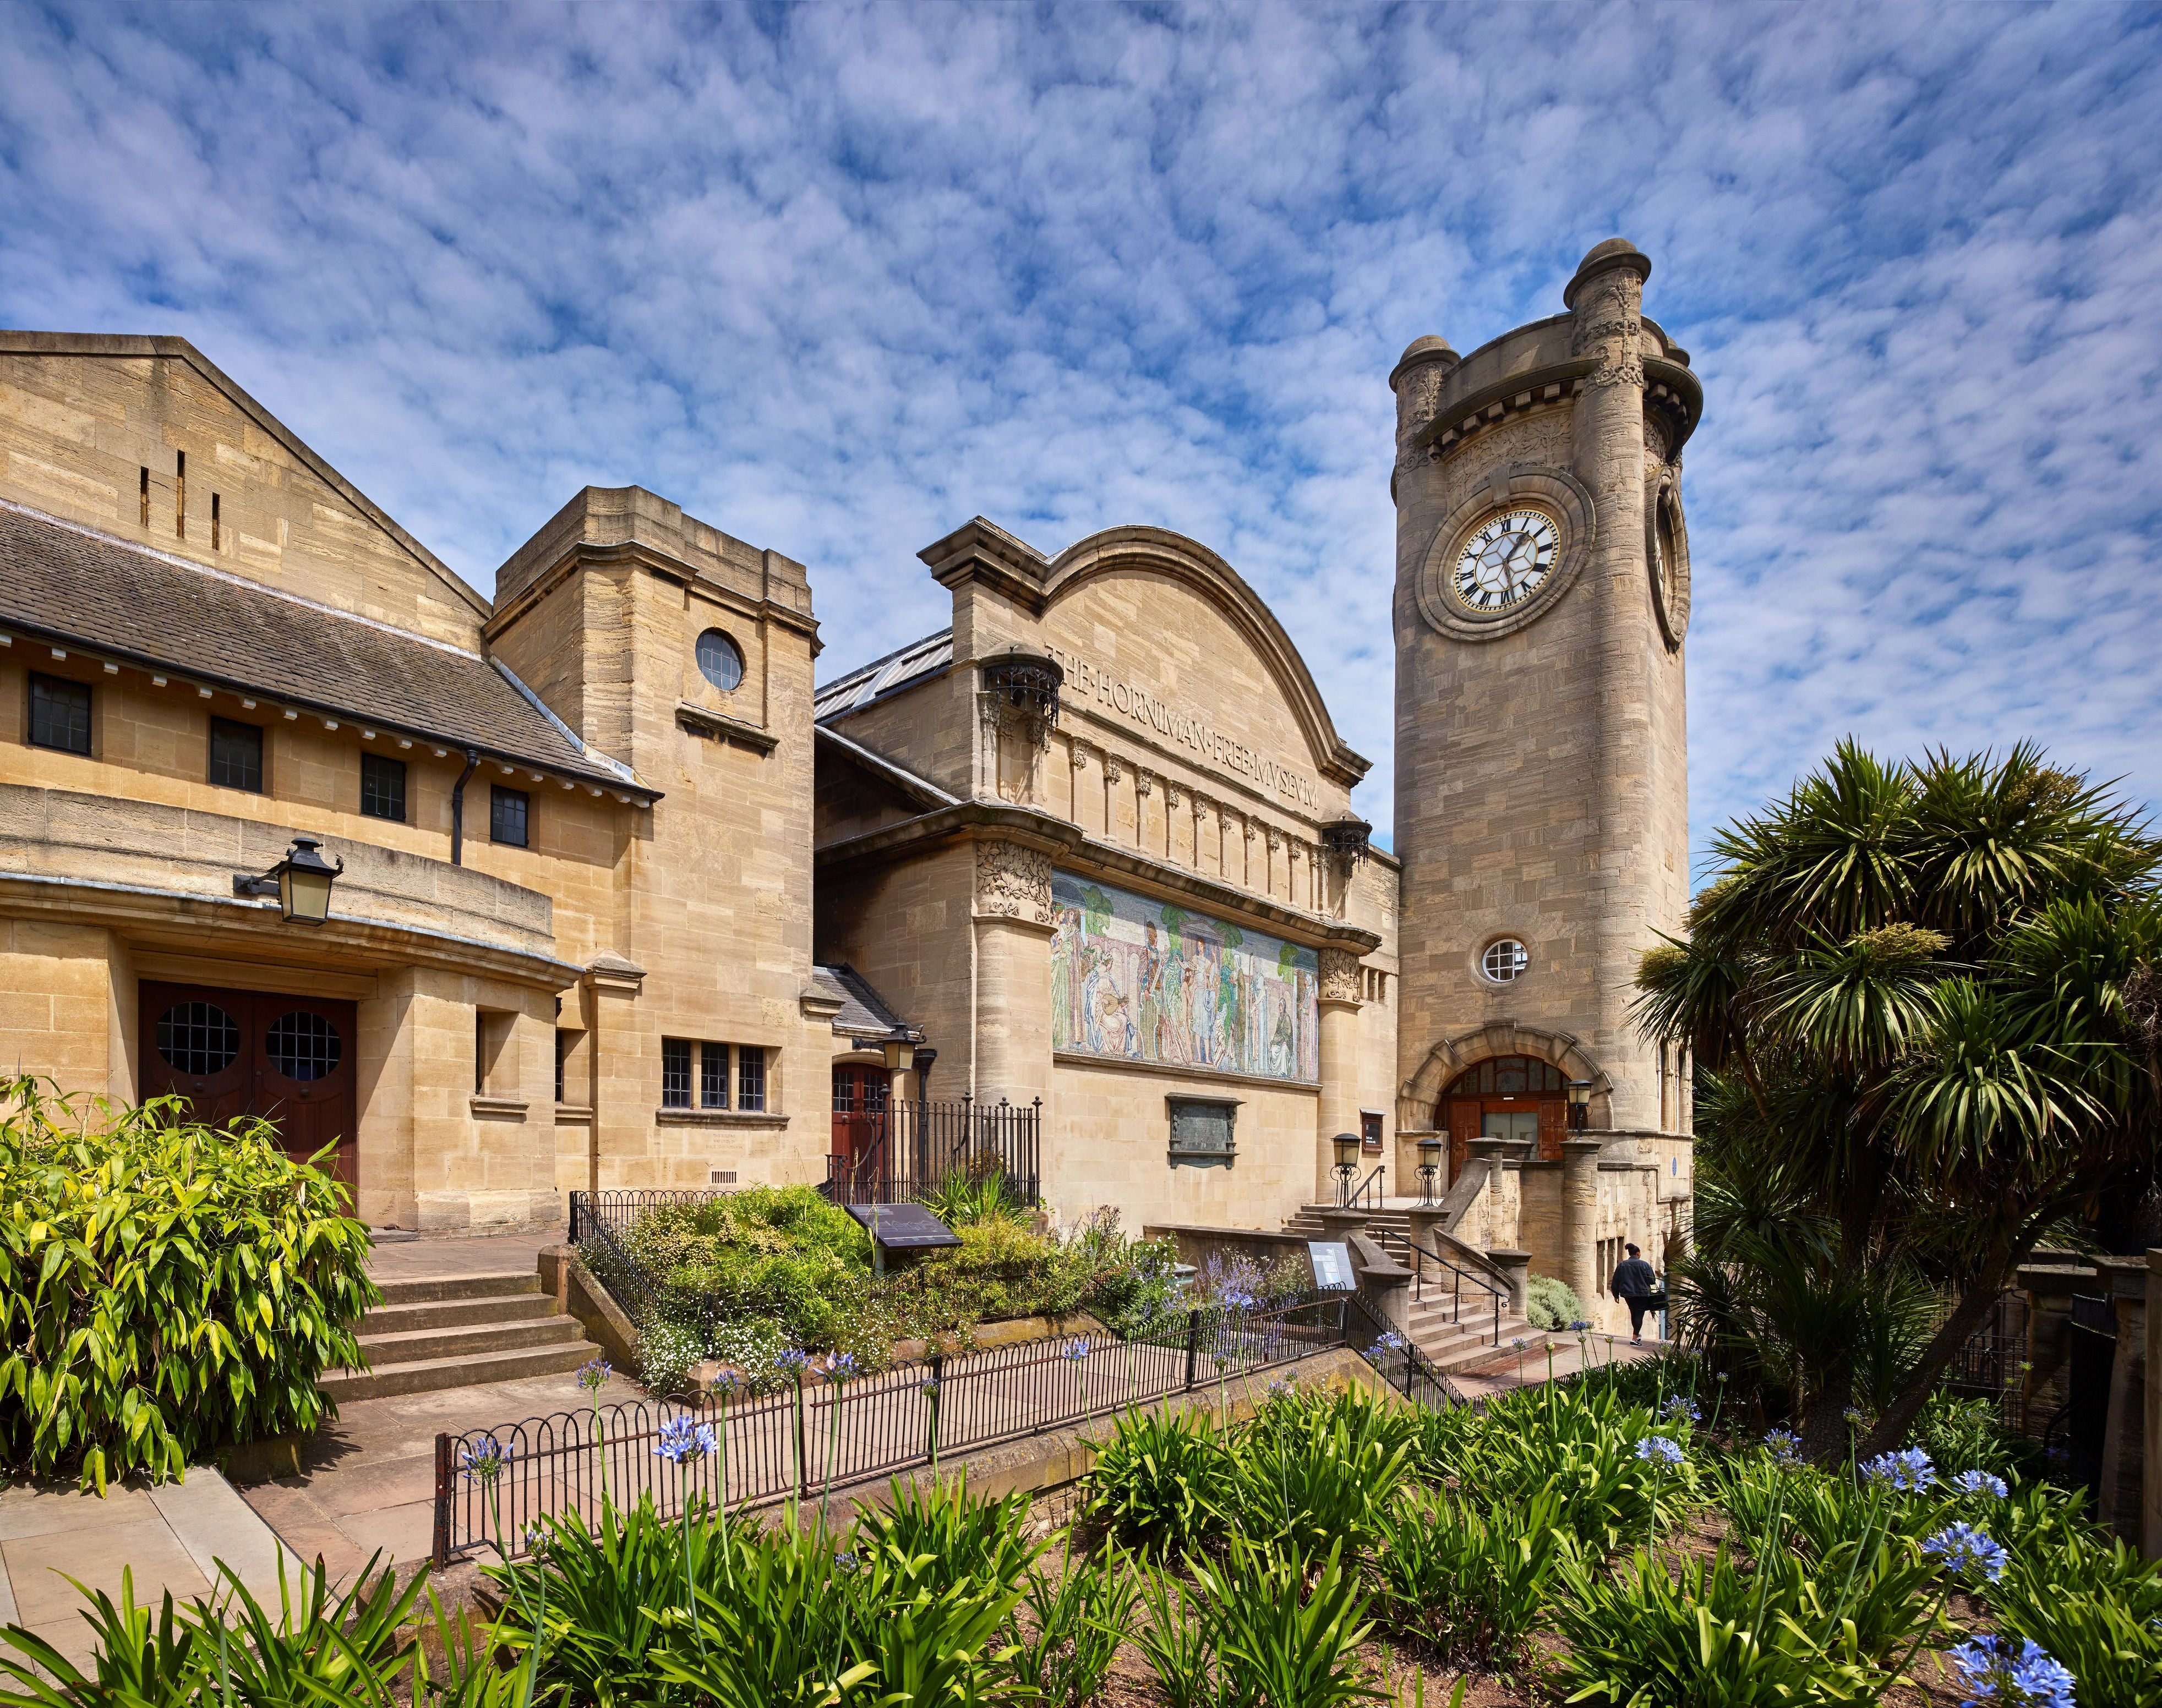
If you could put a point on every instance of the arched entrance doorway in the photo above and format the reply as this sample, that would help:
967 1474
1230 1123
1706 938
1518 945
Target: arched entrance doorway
1506 1096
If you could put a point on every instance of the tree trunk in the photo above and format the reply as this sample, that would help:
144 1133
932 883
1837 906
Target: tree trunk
1824 1430
1974 1304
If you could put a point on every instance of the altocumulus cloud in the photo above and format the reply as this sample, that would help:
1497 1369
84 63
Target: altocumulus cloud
838 277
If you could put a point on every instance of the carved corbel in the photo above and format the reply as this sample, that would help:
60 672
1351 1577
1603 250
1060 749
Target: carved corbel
1014 883
1341 971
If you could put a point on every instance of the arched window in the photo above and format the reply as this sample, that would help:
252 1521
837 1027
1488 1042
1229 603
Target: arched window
1509 1076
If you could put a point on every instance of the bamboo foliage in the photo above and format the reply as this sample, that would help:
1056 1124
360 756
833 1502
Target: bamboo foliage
167 1289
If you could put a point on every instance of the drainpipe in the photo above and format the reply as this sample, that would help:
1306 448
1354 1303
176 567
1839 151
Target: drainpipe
458 808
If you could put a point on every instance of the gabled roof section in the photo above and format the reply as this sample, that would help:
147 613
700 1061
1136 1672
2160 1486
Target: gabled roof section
921 790
864 1013
138 346
71 586
881 676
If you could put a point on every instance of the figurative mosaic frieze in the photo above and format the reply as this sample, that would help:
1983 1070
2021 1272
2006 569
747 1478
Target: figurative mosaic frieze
1135 980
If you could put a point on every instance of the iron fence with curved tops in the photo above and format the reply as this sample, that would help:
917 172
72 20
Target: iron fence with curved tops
796 1441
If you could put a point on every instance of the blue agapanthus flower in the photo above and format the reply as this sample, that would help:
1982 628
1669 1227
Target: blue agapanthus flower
681 1439
1076 1349
1659 1450
1907 1471
483 1461
1679 1407
1391 1342
1966 1551
2003 1675
1580 1324
1784 1445
593 1374
1980 1482
840 1367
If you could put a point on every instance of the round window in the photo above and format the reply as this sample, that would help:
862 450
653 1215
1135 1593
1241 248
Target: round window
197 1039
303 1046
1505 960
719 660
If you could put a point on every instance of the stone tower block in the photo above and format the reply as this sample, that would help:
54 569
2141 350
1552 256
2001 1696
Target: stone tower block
1542 762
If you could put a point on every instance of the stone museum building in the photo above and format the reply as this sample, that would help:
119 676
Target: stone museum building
619 894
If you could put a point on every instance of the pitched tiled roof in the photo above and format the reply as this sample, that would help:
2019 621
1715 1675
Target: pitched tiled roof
863 1012
864 684
65 583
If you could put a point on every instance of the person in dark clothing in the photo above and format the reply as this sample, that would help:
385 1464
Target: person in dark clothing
1634 1283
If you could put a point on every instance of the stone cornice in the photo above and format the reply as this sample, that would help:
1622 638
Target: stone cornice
1671 392
977 820
716 725
633 554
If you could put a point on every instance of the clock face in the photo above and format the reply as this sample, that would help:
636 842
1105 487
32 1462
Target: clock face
1506 562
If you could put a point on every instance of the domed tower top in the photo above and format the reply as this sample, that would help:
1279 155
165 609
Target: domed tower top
1604 258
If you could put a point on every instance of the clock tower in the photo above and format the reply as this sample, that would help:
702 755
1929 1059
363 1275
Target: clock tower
1542 792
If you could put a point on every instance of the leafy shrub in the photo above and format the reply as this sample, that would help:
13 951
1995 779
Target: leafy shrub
1080 1617
1178 1640
1702 1636
1313 1470
1286 1626
667 1352
1551 1303
964 1198
1585 1443
1472 1589
1968 1435
2095 1607
1163 1481
1130 1288
166 1289
972 1537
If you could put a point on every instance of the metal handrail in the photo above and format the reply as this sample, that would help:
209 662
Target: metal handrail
1368 1193
1420 1256
1364 1330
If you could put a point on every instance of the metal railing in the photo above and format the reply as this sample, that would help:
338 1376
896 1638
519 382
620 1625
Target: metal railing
796 1441
1367 1195
1416 1258
923 1146
1396 1358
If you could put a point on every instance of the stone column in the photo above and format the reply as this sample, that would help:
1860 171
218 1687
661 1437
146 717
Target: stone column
1014 926
1516 1268
626 1080
2150 1537
1606 301
2049 1286
2122 1502
1580 1214
1338 1109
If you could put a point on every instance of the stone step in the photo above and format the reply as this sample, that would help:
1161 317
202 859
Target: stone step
466 1369
421 1346
457 1313
426 1289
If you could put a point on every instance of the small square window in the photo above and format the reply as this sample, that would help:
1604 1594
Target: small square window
712 1076
383 787
60 714
674 1073
236 755
509 815
750 1076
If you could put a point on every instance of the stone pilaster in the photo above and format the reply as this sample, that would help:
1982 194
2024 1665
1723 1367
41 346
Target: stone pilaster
1014 924
1580 1211
1338 1103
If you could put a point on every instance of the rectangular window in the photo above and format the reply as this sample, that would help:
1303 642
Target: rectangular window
383 787
712 1076
60 714
214 537
750 1076
562 1049
508 811
674 1073
236 755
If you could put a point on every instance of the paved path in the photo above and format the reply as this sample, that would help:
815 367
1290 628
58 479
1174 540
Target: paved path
170 1538
1512 1366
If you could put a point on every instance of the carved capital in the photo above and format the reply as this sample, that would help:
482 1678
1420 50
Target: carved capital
1113 770
1201 806
1080 754
1340 976
1275 840
1247 828
1142 784
1014 883
1171 795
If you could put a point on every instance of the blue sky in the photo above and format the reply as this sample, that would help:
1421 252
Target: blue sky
838 277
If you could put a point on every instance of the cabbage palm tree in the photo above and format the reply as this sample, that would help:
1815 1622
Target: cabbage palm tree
1928 989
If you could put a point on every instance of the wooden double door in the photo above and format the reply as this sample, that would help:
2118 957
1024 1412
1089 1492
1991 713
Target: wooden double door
287 1059
1506 1096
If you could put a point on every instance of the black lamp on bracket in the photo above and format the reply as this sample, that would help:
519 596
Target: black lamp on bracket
1430 1165
301 882
1580 1104
1347 1165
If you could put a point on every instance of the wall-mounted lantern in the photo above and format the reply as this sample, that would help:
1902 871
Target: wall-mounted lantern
899 1055
1580 1104
1430 1165
301 882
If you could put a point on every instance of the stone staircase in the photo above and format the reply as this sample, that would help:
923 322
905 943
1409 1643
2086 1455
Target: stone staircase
1447 1344
438 1331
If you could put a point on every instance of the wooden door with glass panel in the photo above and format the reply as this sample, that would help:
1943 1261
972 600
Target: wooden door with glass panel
287 1059
860 1097
1506 1096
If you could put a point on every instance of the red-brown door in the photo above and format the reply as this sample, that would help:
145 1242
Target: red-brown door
288 1060
859 1111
